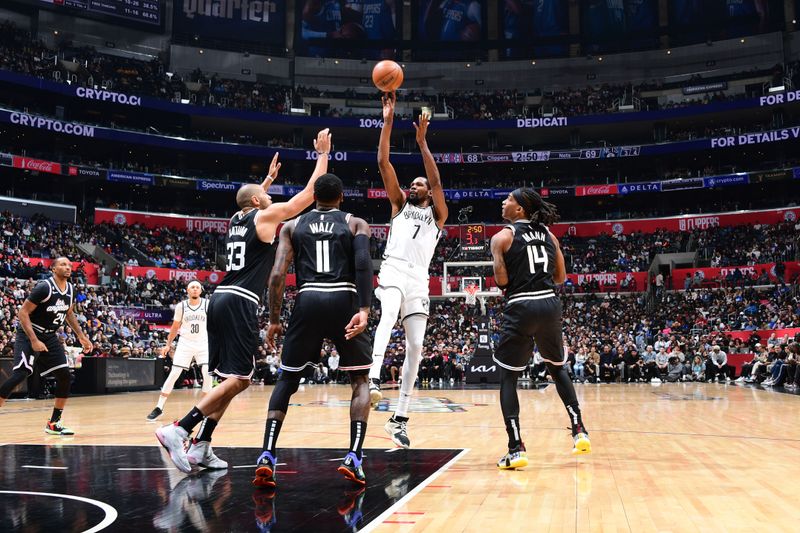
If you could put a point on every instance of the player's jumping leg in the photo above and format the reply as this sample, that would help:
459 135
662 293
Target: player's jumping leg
359 413
286 385
509 404
391 299
415 327
54 426
566 391
200 452
173 437
166 390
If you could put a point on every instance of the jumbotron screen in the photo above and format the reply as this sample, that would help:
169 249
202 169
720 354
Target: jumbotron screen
141 11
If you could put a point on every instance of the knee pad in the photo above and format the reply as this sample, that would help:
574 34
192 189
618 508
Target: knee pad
63 382
17 376
284 388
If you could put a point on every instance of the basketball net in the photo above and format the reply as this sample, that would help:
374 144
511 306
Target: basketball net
471 294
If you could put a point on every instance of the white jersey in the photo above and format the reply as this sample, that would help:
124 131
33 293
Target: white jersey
413 235
193 322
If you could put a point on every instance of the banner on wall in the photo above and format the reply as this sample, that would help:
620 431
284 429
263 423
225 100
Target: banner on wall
173 274
90 269
158 220
156 316
720 274
635 281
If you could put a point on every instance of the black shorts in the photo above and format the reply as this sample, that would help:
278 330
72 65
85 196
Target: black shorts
529 322
232 335
324 315
26 359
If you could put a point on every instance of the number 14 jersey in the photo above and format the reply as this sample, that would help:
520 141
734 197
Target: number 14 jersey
530 261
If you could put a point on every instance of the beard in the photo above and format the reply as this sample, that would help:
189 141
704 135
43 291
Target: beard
414 199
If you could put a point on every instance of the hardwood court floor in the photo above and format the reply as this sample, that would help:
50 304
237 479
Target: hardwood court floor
674 457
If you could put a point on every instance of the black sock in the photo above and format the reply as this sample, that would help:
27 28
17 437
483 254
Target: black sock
189 421
206 429
512 428
397 418
56 416
358 432
271 431
575 420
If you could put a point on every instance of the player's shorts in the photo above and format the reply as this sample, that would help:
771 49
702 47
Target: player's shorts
45 362
232 335
323 315
535 319
186 351
411 280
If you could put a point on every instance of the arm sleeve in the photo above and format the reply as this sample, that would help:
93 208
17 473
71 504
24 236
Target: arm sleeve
363 264
178 316
39 293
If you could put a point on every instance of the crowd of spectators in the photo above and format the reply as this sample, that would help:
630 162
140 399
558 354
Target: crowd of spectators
171 248
22 52
748 245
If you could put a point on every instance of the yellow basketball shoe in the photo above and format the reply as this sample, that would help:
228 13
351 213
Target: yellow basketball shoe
515 458
582 444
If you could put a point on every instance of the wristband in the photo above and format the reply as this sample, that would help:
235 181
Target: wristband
322 153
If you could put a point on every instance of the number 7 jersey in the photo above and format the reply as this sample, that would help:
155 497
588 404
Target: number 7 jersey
413 235
530 261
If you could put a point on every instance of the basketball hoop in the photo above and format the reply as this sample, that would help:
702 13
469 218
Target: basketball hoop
471 294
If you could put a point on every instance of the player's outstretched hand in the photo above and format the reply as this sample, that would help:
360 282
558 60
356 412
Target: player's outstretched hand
422 128
272 332
388 100
86 344
38 346
272 175
323 142
357 325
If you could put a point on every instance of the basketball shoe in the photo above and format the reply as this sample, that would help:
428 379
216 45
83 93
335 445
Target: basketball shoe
351 469
201 454
55 428
375 394
515 458
173 438
350 508
155 413
397 429
266 517
582 444
265 471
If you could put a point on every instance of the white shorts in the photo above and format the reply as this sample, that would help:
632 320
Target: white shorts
413 283
185 352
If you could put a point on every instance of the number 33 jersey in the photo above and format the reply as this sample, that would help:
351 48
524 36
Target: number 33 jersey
193 321
51 305
413 235
248 260
530 261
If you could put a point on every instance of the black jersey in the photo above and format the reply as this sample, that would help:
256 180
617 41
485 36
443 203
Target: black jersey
323 249
51 305
530 261
248 259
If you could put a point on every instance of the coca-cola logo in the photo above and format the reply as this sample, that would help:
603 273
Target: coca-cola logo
596 190
39 165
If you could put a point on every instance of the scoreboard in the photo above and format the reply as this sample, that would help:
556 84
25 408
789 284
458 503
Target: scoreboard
473 237
139 11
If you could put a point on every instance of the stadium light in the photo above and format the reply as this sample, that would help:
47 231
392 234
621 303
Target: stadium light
777 89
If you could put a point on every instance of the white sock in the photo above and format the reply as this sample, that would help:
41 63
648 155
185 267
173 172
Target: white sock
391 300
415 333
174 374
207 380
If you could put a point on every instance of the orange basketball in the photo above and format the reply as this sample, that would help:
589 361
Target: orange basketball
387 76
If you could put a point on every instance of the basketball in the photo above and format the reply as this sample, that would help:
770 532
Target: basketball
387 76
